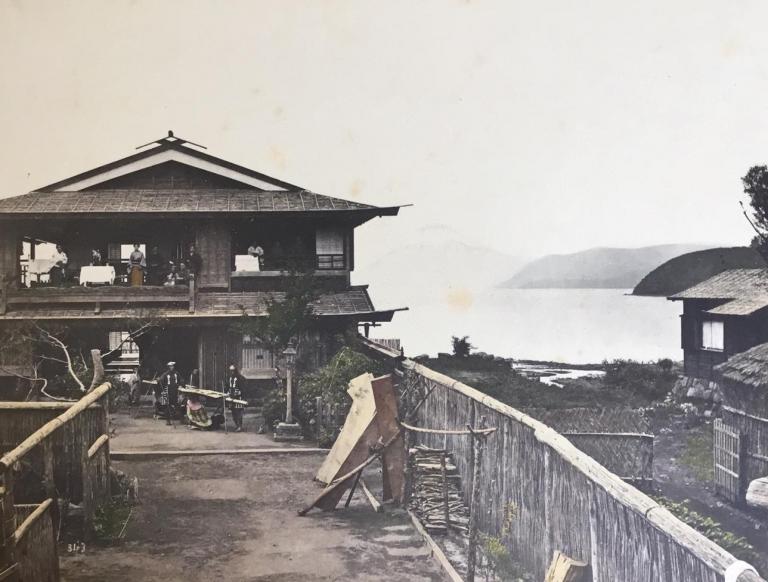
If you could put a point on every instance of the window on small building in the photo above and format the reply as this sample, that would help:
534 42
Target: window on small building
713 335
329 243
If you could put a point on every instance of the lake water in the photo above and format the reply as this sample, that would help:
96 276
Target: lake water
562 325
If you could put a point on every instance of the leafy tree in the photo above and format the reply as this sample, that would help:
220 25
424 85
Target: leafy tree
289 315
461 346
755 184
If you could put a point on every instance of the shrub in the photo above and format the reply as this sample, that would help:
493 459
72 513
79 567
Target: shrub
639 378
330 382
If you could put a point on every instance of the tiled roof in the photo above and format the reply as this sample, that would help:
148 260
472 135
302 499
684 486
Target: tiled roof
742 306
747 290
174 201
749 367
353 302
730 284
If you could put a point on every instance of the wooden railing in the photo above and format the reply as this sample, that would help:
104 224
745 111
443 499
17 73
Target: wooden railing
60 459
540 494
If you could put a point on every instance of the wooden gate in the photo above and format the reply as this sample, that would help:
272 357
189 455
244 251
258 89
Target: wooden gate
729 462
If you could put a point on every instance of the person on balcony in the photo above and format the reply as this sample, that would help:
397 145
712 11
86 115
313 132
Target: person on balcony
182 276
172 277
257 253
194 261
58 272
96 260
137 264
234 390
157 267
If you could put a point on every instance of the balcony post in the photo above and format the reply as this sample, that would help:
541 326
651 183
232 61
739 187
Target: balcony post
192 293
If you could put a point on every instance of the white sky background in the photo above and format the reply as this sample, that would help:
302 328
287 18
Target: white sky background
530 127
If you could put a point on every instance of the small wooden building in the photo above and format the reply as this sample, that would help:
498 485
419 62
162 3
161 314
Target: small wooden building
722 316
743 380
165 198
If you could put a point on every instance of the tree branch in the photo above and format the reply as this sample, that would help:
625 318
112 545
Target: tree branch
53 339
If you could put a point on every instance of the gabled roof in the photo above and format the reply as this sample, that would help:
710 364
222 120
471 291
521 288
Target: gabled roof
744 291
169 149
749 367
173 178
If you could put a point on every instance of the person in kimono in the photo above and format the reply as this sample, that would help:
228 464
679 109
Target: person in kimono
234 389
58 272
137 264
167 395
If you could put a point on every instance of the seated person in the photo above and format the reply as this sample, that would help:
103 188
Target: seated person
58 272
96 260
255 250
171 277
182 276
196 414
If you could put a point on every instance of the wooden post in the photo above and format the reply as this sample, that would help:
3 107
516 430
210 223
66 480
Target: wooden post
478 442
87 491
7 525
742 469
192 293
446 512
49 484
318 415
3 296
410 470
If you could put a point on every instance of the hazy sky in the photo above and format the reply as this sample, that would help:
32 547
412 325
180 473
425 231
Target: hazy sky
531 127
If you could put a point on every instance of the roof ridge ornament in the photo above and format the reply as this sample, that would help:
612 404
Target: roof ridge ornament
170 138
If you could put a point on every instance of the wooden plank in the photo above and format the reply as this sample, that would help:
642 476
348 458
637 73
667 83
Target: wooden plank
377 507
98 443
565 569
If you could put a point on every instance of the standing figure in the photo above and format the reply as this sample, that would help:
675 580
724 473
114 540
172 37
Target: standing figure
258 253
137 264
235 390
58 272
157 267
134 388
168 392
194 261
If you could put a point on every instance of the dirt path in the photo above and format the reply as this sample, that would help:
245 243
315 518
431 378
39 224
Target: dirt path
234 518
677 481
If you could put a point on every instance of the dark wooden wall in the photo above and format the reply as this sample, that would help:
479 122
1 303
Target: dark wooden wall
214 243
10 249
741 333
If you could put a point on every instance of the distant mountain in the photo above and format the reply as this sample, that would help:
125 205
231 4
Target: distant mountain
598 268
687 270
434 269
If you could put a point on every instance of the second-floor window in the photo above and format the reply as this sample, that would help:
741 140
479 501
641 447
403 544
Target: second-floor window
713 335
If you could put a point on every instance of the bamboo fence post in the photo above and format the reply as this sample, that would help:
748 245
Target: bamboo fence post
446 512
7 525
410 442
87 491
49 483
478 441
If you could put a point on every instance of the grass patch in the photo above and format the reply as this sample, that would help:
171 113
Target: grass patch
110 519
736 545
697 455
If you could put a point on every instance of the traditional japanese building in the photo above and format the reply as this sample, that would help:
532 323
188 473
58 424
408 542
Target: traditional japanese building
722 316
166 197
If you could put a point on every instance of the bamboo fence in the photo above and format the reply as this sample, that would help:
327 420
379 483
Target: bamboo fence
754 430
561 498
66 458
